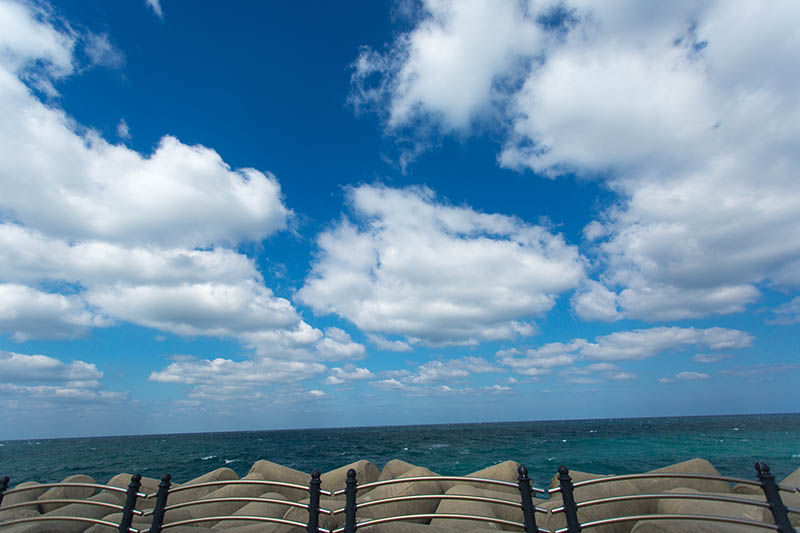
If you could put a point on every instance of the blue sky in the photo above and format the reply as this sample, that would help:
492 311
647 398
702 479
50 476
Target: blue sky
281 215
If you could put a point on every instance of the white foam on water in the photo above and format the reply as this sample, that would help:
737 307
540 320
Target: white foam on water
207 457
229 461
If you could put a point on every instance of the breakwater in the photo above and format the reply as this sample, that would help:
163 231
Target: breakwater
688 496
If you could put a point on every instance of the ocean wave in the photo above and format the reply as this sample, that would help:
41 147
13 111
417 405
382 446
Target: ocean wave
229 461
207 457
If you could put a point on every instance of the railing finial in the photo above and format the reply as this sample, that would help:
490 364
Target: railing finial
528 510
570 508
313 502
351 488
772 493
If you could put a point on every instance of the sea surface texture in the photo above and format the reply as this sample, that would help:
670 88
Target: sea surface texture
614 446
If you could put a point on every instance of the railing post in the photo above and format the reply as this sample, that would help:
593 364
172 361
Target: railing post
3 487
130 503
313 502
350 490
528 510
161 503
772 493
568 498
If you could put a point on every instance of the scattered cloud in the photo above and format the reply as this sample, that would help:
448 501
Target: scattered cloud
117 235
340 375
123 131
27 313
788 313
224 379
698 148
101 52
437 376
758 370
620 346
596 373
155 5
710 357
389 345
338 345
435 273
33 382
21 368
690 376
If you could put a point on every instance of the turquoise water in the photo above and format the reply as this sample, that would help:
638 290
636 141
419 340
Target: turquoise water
616 446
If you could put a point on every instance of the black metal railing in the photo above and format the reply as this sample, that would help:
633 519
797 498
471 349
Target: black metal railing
159 516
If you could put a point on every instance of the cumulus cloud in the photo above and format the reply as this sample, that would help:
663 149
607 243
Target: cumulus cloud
338 345
28 313
620 346
435 273
686 111
389 345
437 376
114 234
340 375
33 382
448 65
21 368
226 379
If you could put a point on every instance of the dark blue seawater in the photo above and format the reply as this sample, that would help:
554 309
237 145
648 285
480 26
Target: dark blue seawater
616 446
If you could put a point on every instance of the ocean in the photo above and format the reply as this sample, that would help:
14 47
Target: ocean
610 446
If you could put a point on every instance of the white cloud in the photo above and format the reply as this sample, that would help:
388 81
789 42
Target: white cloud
60 394
435 371
434 273
788 313
340 375
123 130
338 345
32 383
198 309
619 346
389 345
101 52
643 343
115 234
68 182
761 369
710 357
27 36
155 5
691 376
224 379
27 313
448 65
21 368
536 362
686 110
684 376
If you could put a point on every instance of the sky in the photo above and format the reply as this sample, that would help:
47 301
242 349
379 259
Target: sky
315 214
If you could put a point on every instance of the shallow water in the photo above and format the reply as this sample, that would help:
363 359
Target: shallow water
614 446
